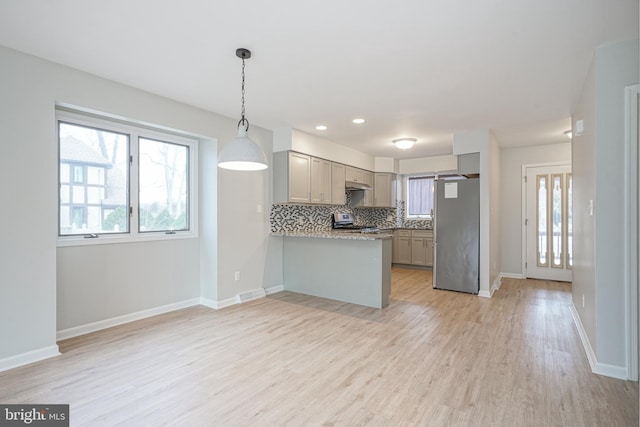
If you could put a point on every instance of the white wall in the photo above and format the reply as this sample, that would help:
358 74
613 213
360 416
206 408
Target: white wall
495 212
293 139
429 164
598 167
233 236
511 161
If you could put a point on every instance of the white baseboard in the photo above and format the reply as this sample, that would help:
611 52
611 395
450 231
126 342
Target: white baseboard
599 368
274 289
484 294
126 318
28 357
511 276
217 305
240 298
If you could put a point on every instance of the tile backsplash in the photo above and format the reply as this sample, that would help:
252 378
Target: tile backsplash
285 217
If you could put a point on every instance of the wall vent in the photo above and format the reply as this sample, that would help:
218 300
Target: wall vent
251 295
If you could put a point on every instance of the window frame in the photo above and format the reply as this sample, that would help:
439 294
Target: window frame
406 194
135 131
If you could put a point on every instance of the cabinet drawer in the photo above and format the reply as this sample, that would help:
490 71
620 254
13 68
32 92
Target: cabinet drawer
422 233
403 233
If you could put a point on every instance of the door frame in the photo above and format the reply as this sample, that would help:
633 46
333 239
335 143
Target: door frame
632 225
524 206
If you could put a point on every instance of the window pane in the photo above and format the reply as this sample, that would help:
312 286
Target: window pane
557 220
420 196
569 221
541 223
164 177
96 160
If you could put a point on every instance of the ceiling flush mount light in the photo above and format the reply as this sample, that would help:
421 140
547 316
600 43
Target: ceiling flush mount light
358 121
404 143
568 133
242 153
321 127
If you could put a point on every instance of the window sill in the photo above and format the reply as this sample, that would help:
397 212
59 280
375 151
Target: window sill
119 239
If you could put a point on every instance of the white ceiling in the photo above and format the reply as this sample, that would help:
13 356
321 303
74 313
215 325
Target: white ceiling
418 68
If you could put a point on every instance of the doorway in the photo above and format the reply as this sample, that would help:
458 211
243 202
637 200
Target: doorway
548 222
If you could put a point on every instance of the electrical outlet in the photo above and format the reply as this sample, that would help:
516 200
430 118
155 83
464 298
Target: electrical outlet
237 275
259 209
300 220
582 300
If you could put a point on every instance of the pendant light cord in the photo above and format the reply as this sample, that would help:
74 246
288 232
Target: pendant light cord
243 120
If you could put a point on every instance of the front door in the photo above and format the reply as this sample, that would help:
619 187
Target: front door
549 223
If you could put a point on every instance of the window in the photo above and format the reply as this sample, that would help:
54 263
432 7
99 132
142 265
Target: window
420 196
118 181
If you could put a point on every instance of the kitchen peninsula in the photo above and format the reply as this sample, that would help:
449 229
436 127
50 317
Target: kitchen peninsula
344 266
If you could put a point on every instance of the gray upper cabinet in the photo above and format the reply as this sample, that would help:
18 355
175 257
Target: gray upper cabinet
469 164
369 195
338 177
320 181
385 190
355 174
300 178
291 177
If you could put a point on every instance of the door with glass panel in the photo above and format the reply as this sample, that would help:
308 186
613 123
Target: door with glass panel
549 223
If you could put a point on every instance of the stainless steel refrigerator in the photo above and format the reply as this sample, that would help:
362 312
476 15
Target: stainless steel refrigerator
457 235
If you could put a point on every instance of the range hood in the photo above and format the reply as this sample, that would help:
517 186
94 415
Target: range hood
352 185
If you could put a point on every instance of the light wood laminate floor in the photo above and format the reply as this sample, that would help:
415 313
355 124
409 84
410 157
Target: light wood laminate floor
431 358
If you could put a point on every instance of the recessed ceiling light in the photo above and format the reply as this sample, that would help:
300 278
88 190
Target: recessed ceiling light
321 127
404 143
358 121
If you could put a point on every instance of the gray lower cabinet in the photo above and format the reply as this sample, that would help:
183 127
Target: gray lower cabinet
402 247
413 247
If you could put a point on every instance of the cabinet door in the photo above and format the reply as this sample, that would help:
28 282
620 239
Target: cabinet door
299 178
369 194
384 190
402 250
418 251
429 252
337 184
325 181
355 174
320 180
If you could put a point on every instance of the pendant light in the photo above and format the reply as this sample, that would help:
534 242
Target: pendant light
242 153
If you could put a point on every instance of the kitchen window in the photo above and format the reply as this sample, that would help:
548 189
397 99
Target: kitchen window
420 191
121 182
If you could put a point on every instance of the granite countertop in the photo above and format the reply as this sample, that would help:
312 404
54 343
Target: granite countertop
330 234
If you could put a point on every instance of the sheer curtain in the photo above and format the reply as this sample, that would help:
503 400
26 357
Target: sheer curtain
420 195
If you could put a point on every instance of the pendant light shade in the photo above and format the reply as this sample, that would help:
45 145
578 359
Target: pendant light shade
242 153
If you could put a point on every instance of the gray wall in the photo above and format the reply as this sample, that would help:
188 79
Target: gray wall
511 161
598 162
35 273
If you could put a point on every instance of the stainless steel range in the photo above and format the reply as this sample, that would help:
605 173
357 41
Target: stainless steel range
344 221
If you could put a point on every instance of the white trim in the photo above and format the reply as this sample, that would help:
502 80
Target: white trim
217 305
126 318
631 230
613 371
274 289
28 357
241 298
77 116
591 356
498 282
484 294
